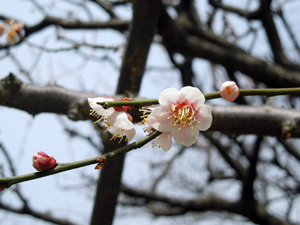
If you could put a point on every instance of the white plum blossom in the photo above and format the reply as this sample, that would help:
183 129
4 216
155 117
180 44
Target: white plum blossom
229 91
116 119
183 113
13 32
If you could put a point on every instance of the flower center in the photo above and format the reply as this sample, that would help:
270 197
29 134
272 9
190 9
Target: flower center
183 114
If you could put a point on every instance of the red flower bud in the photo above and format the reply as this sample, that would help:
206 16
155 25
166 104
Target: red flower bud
41 161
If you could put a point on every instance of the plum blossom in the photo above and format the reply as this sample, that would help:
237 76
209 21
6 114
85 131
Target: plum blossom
183 113
116 119
13 32
229 91
164 140
41 161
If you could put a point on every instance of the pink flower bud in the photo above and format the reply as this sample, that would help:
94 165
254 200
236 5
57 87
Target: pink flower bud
229 90
41 161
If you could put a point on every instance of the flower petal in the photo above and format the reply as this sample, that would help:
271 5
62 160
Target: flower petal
166 140
186 136
98 108
130 134
193 95
205 117
120 120
168 96
158 119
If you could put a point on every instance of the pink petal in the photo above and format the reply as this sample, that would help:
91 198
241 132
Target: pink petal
43 154
158 119
185 136
130 134
166 140
205 117
168 96
148 126
193 95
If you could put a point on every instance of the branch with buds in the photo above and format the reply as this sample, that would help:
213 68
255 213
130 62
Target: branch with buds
180 115
61 167
270 92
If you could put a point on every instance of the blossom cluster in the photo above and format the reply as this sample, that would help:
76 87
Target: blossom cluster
12 29
117 120
181 114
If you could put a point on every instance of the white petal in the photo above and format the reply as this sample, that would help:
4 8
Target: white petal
166 140
120 120
168 96
205 117
98 108
130 134
148 126
193 95
93 102
186 136
158 119
114 131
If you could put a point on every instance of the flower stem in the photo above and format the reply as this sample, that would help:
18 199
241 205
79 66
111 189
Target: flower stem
8 181
243 92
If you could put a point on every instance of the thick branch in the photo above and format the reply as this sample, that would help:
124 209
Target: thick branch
143 28
36 99
260 120
233 120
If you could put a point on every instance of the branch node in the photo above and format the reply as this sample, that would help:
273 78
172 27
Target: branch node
12 83
2 186
101 163
288 128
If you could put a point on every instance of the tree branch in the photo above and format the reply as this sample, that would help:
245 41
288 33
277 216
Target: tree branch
38 215
230 57
256 14
143 28
233 120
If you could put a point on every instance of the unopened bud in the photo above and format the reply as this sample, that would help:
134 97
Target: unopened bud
41 161
229 91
